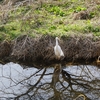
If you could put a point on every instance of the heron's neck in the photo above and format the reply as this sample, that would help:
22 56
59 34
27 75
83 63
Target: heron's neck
56 42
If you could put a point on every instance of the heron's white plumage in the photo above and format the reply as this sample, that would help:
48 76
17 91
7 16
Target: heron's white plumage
57 49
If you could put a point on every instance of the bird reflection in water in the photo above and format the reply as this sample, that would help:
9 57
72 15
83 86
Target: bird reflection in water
55 80
56 74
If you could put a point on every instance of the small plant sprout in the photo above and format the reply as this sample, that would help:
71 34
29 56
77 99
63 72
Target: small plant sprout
98 60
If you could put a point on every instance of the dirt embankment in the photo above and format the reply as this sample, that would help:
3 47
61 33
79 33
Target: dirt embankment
39 51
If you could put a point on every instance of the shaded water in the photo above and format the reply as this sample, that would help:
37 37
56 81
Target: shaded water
54 83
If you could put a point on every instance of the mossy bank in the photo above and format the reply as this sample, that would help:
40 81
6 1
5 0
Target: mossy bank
28 30
53 17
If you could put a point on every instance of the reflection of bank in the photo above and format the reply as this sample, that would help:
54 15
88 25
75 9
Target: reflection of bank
75 81
53 83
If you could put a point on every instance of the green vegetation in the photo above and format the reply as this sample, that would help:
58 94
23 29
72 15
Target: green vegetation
52 17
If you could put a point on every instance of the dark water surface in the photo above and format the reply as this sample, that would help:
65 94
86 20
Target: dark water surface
57 82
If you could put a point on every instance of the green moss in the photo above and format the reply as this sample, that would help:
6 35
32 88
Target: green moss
91 28
56 10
